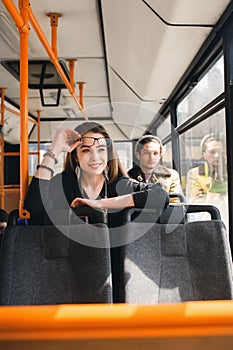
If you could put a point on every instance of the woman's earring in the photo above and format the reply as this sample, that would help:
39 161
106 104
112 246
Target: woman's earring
77 171
106 173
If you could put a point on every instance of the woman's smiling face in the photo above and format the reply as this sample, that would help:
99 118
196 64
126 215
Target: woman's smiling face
92 153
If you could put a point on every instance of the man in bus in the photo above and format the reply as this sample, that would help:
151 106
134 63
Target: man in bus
148 151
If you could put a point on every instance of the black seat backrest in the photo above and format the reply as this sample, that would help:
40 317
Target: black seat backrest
66 216
175 262
75 216
200 208
55 265
173 214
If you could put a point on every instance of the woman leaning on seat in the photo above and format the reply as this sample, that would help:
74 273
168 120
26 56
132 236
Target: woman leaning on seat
92 176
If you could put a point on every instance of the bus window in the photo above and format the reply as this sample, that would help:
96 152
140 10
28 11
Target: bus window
125 153
33 158
204 150
209 87
165 128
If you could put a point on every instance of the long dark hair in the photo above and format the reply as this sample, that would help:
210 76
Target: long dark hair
115 168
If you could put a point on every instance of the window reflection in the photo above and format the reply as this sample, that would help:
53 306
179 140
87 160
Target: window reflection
204 164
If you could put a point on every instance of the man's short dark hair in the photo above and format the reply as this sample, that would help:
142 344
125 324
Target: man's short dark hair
146 139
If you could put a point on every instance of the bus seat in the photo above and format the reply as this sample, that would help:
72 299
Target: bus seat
42 265
172 214
63 216
177 213
175 262
200 208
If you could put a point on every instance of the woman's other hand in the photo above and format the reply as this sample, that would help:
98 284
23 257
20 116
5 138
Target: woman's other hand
84 201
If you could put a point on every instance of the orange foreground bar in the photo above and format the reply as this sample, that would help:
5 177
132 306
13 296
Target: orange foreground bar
182 326
122 321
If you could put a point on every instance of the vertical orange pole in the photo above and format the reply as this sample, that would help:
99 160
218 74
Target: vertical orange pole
24 11
81 84
54 24
2 202
38 135
71 68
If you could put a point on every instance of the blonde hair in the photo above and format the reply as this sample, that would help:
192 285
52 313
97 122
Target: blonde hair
206 139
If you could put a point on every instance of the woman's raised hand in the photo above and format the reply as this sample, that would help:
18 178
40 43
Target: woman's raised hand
64 140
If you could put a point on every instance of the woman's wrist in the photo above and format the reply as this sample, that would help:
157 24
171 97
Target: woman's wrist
45 169
53 150
97 203
51 154
41 166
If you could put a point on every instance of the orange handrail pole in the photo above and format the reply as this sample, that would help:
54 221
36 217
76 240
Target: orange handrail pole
71 68
196 322
24 10
2 105
13 11
54 60
2 151
18 114
13 154
38 135
81 84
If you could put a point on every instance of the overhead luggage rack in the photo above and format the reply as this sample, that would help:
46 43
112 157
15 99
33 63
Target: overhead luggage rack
41 75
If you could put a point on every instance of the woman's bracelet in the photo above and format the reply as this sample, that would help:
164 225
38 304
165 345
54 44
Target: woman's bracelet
51 155
45 167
